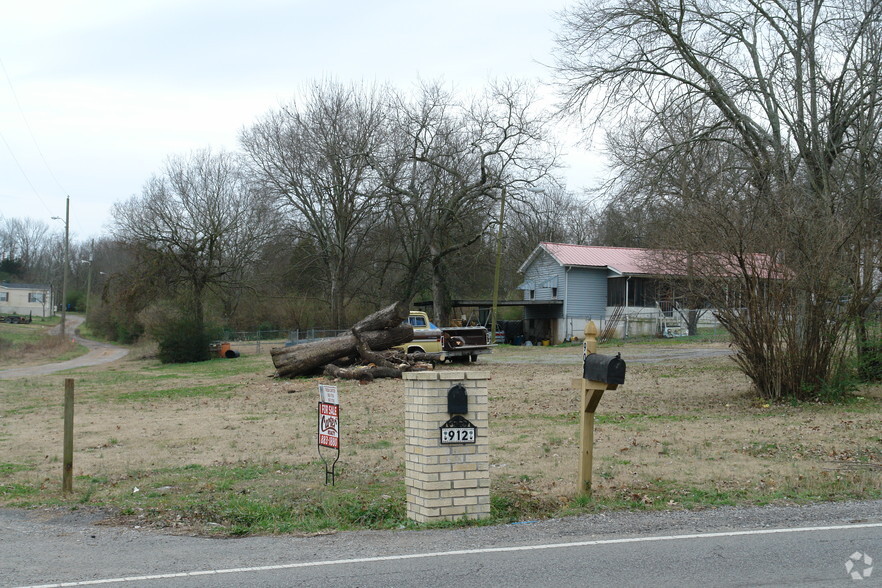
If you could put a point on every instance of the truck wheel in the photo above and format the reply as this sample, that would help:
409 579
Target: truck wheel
473 357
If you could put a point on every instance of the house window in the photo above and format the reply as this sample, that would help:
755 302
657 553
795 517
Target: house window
36 297
4 296
554 292
615 292
532 294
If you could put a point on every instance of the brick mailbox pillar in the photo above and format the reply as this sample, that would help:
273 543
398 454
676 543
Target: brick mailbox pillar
447 455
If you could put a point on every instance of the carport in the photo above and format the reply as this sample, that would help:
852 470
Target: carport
539 323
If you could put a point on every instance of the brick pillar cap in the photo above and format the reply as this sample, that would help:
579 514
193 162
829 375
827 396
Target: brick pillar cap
446 375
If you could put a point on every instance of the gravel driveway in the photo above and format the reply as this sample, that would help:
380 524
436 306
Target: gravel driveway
642 354
99 353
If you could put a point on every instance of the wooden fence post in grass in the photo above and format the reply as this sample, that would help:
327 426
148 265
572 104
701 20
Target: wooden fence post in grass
67 476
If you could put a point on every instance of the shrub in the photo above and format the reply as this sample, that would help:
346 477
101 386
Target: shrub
182 340
870 362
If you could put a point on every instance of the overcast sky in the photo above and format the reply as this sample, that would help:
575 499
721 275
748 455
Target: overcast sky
95 94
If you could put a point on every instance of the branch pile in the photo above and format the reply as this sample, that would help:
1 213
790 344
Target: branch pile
361 354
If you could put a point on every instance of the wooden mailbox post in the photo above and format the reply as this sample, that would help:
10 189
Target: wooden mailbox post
613 373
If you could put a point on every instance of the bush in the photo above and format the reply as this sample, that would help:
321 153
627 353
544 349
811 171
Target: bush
113 322
182 341
870 362
841 384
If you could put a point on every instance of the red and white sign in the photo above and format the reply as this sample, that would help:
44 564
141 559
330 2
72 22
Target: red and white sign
329 425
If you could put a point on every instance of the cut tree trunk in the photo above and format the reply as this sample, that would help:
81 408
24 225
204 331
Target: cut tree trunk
385 318
361 372
306 358
380 330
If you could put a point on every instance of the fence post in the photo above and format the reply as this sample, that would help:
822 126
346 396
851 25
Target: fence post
67 474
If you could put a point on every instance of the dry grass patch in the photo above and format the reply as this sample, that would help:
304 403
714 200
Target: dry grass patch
22 345
220 445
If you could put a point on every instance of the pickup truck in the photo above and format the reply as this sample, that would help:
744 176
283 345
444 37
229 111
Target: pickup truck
453 343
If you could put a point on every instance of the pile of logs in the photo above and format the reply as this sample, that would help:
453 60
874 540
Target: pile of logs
361 354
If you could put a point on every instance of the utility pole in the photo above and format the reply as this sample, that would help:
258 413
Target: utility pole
89 278
495 304
66 265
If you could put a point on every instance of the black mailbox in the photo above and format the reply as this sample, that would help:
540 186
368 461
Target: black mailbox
457 400
605 368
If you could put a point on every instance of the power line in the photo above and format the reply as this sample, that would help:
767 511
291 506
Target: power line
28 126
23 173
33 139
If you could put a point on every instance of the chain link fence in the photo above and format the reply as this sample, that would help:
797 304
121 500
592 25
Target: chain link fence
255 342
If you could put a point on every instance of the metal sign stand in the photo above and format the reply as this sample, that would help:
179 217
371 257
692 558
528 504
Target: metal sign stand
329 429
330 474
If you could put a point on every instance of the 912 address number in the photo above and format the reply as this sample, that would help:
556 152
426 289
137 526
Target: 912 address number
458 435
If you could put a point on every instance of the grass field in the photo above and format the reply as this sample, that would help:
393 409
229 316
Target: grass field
222 447
32 343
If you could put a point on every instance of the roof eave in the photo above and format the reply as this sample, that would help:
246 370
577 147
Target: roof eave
534 255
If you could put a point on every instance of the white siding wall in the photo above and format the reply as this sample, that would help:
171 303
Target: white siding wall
17 301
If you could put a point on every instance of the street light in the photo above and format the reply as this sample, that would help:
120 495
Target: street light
499 256
66 263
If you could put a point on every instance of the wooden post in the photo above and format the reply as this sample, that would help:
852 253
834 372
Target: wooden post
592 392
67 476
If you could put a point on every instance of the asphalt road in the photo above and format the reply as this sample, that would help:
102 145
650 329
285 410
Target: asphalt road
99 353
757 546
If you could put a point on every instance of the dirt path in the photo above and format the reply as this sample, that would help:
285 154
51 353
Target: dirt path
99 353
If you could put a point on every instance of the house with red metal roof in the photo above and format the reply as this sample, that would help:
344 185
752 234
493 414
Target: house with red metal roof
621 288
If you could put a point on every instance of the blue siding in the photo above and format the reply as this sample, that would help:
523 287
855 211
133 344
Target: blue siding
583 290
586 293
545 269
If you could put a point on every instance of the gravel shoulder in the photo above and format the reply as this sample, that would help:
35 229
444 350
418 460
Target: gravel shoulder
82 545
58 521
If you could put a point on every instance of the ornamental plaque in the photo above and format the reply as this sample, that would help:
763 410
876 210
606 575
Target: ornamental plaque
458 430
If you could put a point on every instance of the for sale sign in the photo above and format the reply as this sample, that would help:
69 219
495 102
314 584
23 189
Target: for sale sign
328 393
329 425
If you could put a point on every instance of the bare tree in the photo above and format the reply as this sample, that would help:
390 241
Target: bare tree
313 158
782 87
446 174
26 242
553 215
198 225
